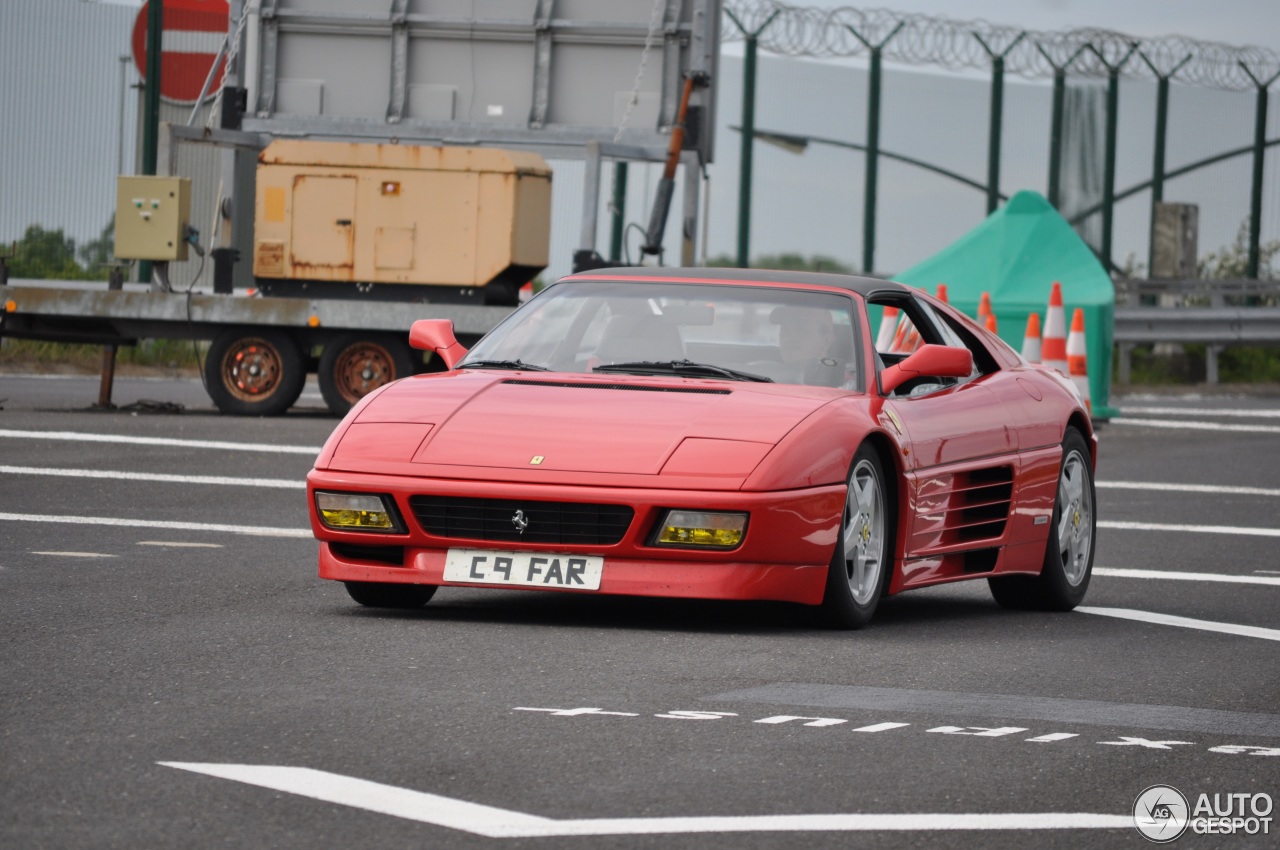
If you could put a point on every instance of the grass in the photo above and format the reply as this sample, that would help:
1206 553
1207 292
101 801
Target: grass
148 355
1236 365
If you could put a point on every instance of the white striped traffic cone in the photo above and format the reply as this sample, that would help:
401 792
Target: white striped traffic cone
942 293
984 308
1078 359
1054 346
1031 341
992 324
888 324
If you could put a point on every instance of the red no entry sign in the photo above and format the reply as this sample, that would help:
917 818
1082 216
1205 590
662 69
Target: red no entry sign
193 32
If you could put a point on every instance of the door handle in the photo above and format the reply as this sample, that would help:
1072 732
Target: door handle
343 222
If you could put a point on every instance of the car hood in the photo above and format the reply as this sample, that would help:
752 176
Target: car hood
531 426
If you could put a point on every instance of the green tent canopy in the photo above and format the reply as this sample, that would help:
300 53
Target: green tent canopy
1016 254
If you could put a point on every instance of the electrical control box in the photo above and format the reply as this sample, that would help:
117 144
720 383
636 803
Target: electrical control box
152 214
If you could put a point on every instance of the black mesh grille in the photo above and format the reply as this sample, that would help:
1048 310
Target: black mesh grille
548 522
637 388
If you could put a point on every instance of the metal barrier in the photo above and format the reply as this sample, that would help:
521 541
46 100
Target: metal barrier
1216 313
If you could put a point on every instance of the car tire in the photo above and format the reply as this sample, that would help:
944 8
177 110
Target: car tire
254 372
381 595
863 559
354 365
1073 529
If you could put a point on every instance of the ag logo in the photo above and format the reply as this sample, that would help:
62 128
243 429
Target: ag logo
1161 814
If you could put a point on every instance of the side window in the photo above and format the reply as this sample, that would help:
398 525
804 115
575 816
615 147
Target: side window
960 337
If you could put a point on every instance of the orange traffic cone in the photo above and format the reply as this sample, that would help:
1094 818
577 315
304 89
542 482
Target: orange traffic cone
1077 358
1054 347
984 308
942 293
899 336
992 324
888 324
1031 341
912 341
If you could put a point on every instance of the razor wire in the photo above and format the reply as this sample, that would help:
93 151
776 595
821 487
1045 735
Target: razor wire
956 44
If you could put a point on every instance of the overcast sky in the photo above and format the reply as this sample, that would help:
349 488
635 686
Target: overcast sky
1237 22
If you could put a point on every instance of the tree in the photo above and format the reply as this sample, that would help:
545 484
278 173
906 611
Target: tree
1232 261
787 262
48 255
96 253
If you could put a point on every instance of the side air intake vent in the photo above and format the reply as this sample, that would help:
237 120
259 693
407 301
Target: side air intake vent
978 505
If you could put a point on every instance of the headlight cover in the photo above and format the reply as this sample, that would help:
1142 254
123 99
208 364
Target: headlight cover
358 512
702 529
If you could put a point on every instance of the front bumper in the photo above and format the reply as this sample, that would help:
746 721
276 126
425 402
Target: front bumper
789 541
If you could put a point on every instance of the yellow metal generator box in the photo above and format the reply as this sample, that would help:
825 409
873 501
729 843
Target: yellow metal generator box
400 214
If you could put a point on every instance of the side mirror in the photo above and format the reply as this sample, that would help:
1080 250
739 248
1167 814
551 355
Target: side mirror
437 335
936 361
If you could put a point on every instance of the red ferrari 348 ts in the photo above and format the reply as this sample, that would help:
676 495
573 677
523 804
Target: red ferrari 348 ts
721 434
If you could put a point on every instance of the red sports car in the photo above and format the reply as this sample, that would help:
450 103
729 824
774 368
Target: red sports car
720 434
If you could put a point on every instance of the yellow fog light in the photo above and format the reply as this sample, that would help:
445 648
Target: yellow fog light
356 512
702 529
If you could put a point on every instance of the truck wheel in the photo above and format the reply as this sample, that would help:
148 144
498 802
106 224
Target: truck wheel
353 366
251 372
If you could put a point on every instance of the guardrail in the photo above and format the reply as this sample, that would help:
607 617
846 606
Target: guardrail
1216 313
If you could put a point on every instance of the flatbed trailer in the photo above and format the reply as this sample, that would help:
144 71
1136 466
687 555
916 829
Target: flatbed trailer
261 348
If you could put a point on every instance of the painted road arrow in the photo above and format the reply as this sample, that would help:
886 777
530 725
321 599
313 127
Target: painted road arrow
493 822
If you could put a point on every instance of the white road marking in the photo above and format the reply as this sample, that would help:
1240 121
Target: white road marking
174 544
1269 572
1191 425
257 530
76 554
1201 529
1186 488
79 436
493 822
1052 736
1184 622
1201 411
881 727
122 475
1113 572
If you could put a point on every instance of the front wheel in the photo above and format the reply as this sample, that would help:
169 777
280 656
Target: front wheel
1068 557
381 595
864 551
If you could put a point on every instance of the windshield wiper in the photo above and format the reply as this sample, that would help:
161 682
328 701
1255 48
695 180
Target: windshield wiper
502 364
681 367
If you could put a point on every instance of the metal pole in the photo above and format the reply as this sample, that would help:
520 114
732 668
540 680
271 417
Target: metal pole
993 134
1055 135
1109 164
124 87
1259 162
618 208
151 103
748 132
115 282
1157 159
1055 121
872 179
748 139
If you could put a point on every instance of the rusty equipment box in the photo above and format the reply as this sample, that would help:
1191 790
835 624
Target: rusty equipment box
400 214
152 214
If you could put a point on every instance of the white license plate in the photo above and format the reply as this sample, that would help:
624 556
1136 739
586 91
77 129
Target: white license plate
524 569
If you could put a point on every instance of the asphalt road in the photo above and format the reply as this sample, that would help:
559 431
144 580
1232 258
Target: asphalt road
154 664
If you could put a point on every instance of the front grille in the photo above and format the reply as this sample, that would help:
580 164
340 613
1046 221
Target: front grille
548 522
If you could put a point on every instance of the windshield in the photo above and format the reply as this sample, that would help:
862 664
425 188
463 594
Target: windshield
792 336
